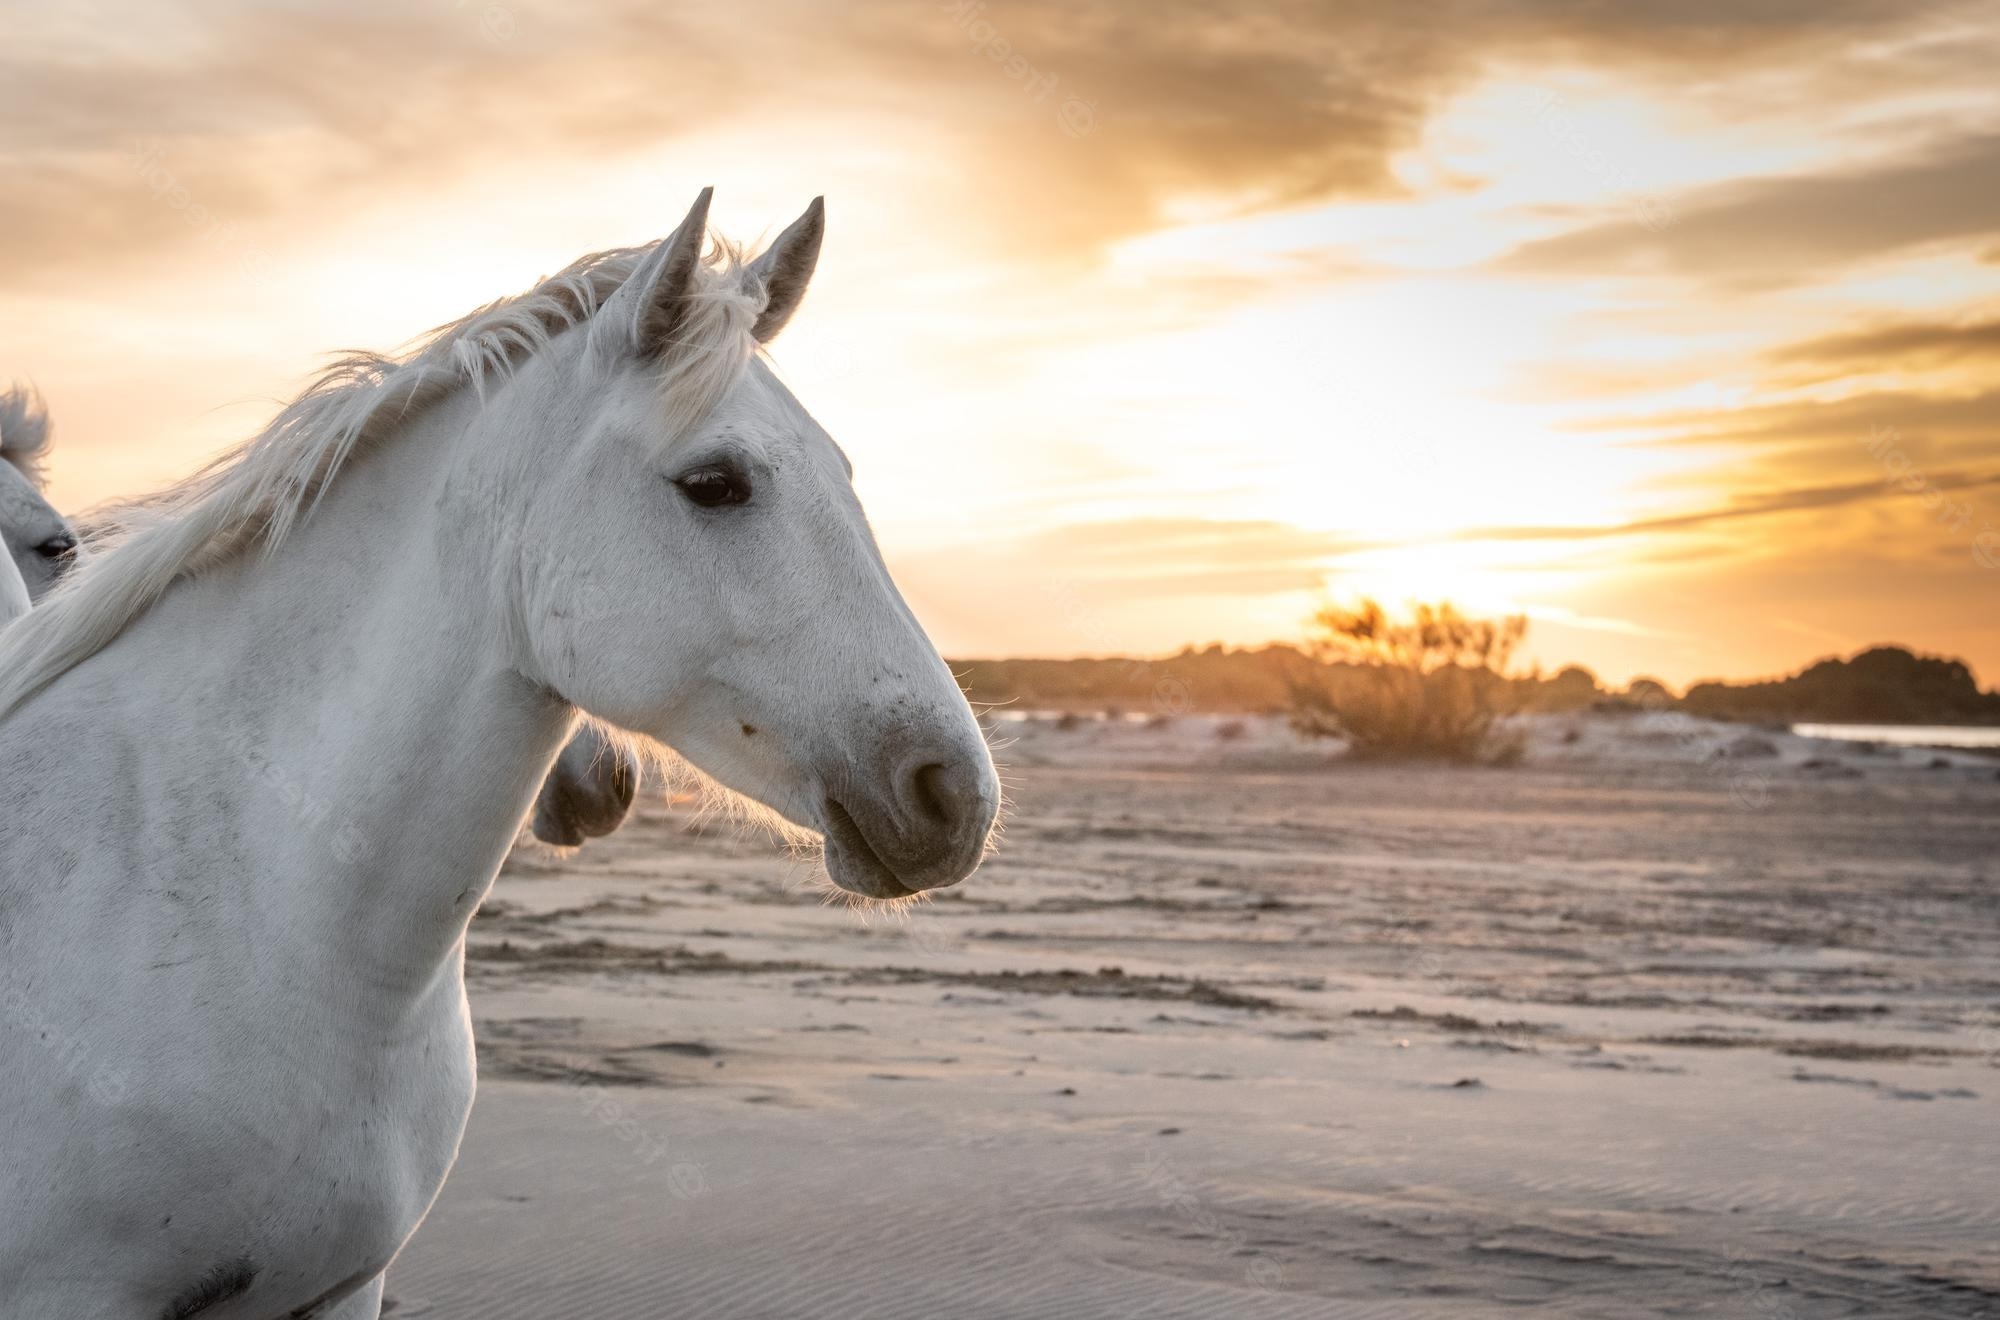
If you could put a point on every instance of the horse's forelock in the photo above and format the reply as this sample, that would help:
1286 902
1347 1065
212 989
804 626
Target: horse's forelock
24 432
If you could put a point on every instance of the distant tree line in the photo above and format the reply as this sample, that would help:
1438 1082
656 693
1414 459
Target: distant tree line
1883 685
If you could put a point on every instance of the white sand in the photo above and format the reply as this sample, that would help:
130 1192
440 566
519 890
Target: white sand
1730 1052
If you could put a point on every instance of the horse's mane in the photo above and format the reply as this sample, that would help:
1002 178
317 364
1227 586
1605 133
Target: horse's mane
24 432
255 494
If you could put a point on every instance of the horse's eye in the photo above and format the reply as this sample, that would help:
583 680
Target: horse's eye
60 546
713 487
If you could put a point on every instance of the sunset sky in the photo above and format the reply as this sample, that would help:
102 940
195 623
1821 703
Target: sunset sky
1674 325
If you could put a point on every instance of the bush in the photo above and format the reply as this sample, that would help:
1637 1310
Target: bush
1429 688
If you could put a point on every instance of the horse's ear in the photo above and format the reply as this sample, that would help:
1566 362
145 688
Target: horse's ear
655 300
786 268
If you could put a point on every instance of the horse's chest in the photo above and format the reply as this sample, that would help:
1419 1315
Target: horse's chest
326 1176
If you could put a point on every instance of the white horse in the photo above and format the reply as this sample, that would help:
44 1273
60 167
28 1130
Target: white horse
262 761
590 788
39 541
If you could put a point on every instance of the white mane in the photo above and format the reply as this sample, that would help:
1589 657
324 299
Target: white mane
24 432
255 494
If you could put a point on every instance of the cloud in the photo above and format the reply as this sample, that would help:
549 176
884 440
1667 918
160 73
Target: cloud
1773 232
1833 435
295 115
1119 585
1900 345
1760 505
1190 556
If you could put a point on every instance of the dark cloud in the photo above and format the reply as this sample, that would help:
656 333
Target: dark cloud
1901 345
1772 232
1761 505
1937 428
286 115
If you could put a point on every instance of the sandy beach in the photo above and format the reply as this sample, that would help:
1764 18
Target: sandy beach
1671 1020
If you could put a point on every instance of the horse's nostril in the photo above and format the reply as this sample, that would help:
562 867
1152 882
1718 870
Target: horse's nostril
625 782
931 787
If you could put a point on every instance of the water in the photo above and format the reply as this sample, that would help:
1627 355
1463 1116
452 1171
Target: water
1905 735
1020 715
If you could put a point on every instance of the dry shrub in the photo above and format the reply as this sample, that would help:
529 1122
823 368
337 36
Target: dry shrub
1429 688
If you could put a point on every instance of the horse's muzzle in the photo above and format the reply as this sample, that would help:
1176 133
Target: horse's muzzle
923 825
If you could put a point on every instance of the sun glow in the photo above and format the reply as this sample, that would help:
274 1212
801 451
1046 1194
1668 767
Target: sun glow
1503 303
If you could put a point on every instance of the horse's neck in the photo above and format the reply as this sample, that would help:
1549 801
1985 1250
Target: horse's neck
354 692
